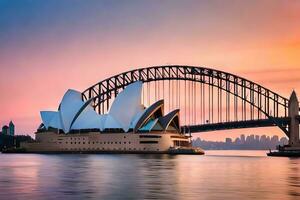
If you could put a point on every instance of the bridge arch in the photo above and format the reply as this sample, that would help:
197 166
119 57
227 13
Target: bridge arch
244 95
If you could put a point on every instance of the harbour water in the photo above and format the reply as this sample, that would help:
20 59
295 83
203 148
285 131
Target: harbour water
216 175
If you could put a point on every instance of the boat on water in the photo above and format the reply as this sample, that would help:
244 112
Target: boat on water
285 151
128 127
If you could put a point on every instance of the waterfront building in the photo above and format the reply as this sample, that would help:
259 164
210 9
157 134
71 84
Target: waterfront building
11 128
128 126
257 138
243 139
228 140
5 129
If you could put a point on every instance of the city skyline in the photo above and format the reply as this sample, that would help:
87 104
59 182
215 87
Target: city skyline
243 142
47 48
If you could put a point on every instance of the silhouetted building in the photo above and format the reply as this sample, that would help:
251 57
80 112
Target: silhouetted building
284 140
253 142
257 138
274 139
5 130
243 139
238 141
228 140
8 141
11 128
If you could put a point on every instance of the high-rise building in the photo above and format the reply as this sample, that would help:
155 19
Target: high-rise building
5 130
257 138
243 139
263 139
11 128
228 140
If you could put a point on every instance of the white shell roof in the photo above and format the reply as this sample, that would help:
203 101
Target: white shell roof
88 119
70 105
127 105
137 117
111 122
55 122
125 112
47 117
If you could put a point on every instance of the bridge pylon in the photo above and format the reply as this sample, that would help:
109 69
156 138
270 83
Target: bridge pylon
293 109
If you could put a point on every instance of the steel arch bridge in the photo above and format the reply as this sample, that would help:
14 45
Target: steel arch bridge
209 99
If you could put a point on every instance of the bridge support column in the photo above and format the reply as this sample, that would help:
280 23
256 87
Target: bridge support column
294 123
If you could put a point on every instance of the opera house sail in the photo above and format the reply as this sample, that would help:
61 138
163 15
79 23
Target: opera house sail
128 126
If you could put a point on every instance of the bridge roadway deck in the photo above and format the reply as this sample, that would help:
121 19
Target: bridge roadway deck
236 125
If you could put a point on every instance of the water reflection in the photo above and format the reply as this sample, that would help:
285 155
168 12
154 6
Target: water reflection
294 177
218 175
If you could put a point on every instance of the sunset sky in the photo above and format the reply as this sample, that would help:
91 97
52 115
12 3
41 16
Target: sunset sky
47 47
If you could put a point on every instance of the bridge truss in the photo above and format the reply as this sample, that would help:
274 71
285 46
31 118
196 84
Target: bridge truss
209 99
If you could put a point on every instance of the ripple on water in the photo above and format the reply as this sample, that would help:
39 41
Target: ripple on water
217 175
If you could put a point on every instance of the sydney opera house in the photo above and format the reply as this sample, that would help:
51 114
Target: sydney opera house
128 127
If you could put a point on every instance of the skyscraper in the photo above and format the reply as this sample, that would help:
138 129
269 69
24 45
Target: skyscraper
243 139
11 128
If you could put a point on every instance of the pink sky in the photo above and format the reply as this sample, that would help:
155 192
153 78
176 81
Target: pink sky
47 48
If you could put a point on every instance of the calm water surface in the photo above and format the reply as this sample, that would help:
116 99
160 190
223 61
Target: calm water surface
217 175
